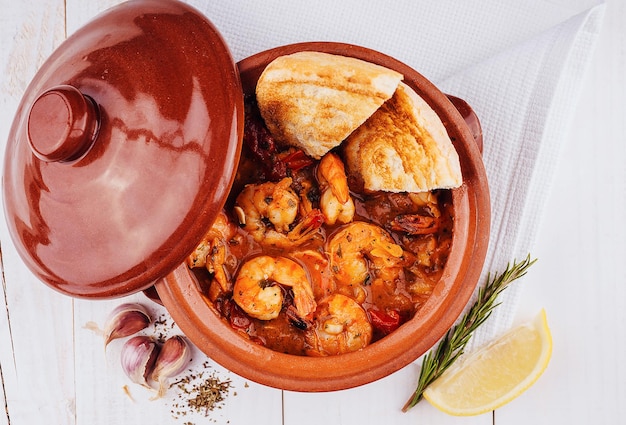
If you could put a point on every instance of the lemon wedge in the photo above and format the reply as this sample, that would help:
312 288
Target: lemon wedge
496 373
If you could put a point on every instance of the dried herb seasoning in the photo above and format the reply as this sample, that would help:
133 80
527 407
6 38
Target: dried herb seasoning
200 392
161 328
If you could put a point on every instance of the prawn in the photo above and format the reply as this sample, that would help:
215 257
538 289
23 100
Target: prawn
341 326
358 249
211 251
257 289
278 204
335 202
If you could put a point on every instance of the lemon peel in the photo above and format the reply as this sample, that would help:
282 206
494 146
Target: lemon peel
496 373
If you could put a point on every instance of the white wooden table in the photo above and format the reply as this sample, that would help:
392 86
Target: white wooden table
54 371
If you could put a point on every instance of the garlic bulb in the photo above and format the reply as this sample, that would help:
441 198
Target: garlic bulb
138 357
174 356
125 320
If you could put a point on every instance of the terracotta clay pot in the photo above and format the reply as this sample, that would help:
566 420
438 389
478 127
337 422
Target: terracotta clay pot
198 319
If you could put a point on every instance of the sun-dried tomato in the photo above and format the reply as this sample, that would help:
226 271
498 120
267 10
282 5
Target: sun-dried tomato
385 322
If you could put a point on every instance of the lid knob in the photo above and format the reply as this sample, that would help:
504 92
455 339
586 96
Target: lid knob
62 124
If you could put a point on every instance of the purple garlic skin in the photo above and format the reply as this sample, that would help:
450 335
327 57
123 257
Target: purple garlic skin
174 356
138 358
125 320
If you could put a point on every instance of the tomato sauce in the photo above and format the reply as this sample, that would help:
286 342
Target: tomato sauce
421 224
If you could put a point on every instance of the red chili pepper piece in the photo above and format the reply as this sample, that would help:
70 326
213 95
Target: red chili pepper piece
297 160
385 322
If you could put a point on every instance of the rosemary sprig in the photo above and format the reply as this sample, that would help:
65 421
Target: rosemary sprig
453 343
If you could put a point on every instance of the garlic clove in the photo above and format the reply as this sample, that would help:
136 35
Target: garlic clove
138 358
125 320
174 356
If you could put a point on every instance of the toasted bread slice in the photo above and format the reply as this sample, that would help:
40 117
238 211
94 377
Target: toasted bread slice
314 100
403 147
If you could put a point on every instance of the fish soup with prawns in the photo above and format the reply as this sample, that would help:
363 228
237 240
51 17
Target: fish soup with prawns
304 261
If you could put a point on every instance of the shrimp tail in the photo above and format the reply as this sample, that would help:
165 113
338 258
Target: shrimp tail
332 173
304 301
341 192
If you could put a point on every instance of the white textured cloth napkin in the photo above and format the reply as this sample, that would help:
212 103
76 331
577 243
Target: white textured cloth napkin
518 64
525 97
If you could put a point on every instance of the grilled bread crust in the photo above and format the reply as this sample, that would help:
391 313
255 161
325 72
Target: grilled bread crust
403 147
314 100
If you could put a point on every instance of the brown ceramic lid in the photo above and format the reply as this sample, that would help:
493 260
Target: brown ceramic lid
123 149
